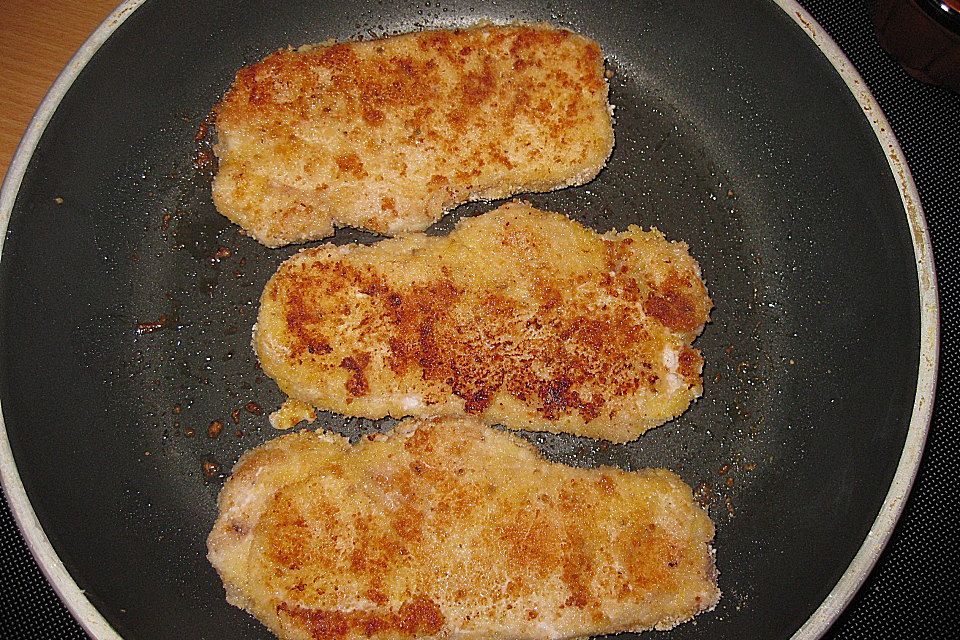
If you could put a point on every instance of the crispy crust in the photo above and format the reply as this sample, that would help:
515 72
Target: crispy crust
519 317
451 528
388 134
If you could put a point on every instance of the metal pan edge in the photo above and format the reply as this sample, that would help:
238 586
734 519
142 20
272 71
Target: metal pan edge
895 500
36 539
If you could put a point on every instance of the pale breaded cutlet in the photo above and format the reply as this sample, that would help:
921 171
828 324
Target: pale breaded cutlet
387 135
453 529
519 317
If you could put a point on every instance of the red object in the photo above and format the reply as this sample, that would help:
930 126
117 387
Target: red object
924 36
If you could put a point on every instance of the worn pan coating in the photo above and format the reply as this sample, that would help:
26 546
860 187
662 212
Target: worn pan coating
126 301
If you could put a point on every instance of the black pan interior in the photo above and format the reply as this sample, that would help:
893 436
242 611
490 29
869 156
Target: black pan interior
125 327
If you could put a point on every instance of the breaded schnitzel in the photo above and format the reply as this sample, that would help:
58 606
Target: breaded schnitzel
520 317
389 134
454 529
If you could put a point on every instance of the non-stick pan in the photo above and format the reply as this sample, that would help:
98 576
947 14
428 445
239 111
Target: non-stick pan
126 301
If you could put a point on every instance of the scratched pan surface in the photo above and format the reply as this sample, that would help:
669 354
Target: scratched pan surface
127 301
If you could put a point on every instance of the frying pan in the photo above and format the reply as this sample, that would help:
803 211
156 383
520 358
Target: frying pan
126 301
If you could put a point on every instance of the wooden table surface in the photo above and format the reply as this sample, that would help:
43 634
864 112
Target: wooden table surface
37 38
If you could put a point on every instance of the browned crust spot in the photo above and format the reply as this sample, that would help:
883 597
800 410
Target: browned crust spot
416 617
357 382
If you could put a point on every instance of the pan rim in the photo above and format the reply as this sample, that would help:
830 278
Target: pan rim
894 502
81 608
96 625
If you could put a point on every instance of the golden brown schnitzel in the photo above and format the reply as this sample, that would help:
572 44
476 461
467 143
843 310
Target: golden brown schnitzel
520 317
389 134
450 529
